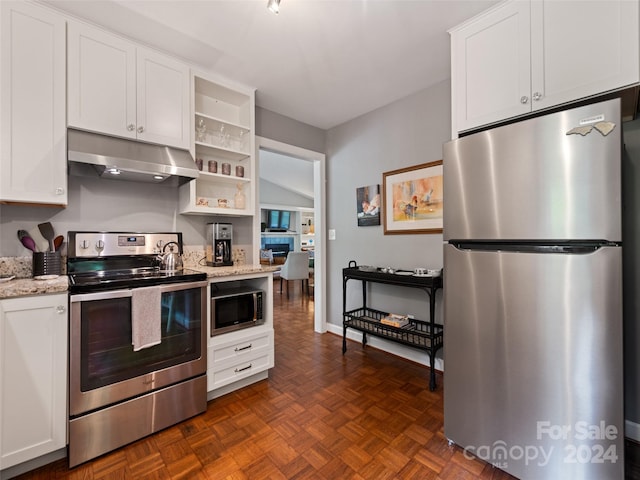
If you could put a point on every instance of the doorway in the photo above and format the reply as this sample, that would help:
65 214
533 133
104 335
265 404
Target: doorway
318 162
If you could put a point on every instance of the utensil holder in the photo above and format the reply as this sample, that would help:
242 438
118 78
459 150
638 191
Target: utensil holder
47 263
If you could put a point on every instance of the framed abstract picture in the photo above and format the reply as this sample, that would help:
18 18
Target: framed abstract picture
412 199
368 205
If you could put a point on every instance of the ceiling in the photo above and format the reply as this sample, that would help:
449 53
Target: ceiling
321 62
287 172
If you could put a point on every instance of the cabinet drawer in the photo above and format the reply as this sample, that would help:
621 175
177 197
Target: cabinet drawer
237 371
239 349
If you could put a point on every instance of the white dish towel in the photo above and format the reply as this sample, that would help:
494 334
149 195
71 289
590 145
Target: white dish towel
146 313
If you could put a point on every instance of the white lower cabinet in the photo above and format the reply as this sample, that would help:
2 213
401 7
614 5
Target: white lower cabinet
235 356
33 377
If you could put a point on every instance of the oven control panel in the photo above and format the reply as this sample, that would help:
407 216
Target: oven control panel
103 244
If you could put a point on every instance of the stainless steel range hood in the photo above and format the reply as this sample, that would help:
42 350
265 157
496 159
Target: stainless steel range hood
121 159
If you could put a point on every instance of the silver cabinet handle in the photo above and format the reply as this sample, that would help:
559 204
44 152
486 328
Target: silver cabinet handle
238 370
537 96
61 309
524 99
140 129
131 127
243 348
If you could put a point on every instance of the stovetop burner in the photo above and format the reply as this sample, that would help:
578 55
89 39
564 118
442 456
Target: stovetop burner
113 260
105 280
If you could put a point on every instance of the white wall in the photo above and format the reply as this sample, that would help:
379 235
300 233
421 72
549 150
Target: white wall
273 194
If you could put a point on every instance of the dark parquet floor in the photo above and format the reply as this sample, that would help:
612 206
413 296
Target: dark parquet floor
367 415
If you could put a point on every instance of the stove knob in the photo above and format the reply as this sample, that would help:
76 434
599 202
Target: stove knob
84 244
99 245
160 244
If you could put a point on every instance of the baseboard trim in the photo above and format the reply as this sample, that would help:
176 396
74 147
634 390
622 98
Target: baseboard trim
33 464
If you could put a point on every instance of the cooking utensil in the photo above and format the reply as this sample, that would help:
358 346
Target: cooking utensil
57 242
27 241
42 245
46 229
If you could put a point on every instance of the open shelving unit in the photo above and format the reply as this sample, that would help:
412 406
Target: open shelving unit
223 127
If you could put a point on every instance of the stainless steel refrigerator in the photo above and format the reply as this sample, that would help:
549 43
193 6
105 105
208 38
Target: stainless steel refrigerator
533 295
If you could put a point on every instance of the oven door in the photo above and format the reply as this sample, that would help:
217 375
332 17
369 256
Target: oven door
104 368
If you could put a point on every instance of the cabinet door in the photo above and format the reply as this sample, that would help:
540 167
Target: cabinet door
102 79
576 56
33 377
491 66
162 100
33 148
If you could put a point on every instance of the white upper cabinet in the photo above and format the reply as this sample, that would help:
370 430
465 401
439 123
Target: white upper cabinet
118 88
163 107
576 56
524 56
102 82
33 145
491 66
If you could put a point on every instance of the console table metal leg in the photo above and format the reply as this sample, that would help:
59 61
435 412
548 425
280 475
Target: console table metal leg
344 339
432 373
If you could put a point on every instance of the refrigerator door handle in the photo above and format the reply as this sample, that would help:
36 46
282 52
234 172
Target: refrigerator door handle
573 248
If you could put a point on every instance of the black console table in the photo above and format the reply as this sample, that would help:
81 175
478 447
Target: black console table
421 334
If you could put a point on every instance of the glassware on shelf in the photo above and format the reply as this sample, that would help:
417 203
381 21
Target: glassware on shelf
241 139
201 131
223 137
239 198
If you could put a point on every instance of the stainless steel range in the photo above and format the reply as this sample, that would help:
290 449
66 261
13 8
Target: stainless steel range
137 360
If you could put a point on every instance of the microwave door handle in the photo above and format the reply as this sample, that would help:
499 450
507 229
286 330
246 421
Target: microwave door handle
255 307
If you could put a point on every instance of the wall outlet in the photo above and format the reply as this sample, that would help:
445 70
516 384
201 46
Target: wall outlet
332 234
411 316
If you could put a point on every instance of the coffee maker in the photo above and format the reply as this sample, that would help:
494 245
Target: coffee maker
219 238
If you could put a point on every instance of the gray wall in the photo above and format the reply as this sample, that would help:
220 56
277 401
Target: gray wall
407 132
286 130
631 267
97 204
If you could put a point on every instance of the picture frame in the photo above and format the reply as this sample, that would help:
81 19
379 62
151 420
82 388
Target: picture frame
368 205
412 199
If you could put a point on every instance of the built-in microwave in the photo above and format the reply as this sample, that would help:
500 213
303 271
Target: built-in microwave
235 308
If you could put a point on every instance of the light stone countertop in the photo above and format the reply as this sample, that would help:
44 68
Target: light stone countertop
22 287
215 272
